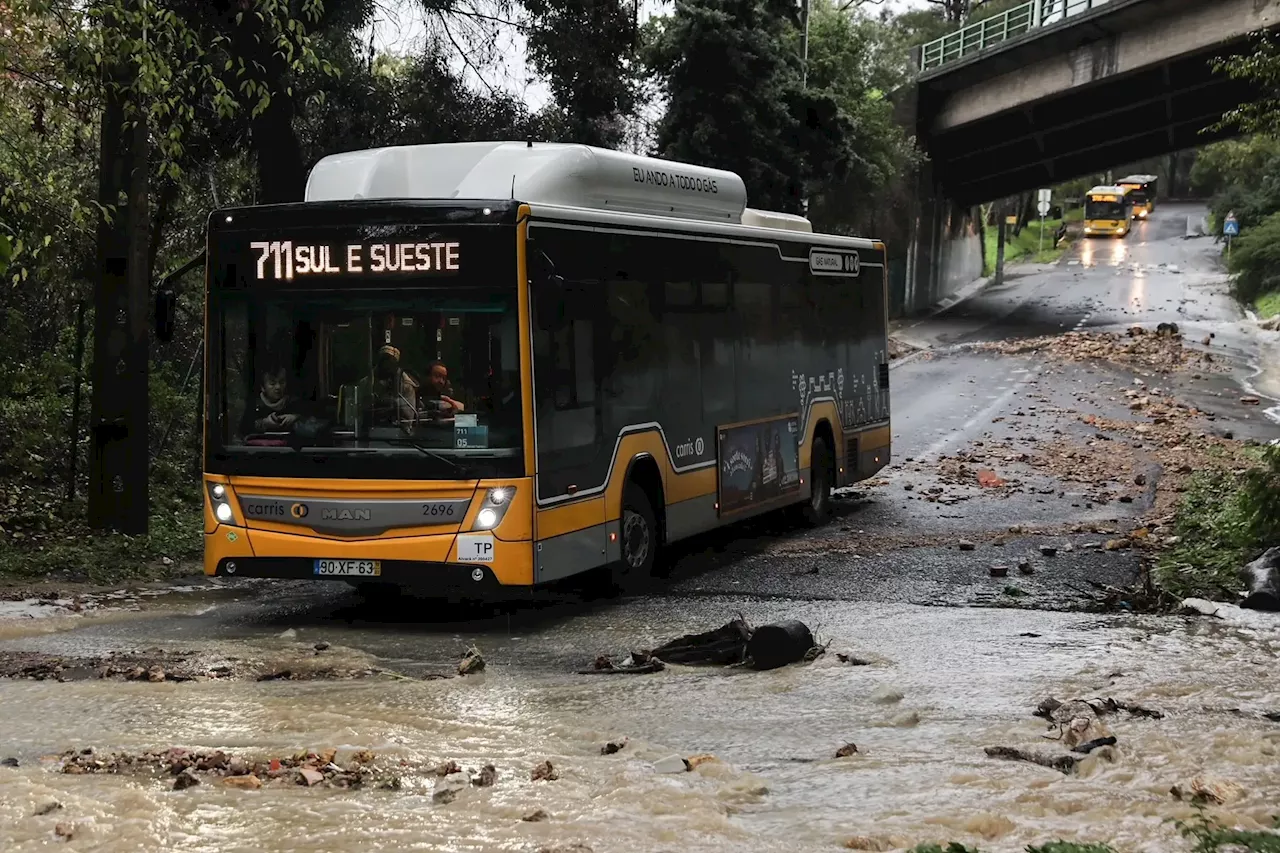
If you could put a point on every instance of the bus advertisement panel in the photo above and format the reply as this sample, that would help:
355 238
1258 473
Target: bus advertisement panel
759 462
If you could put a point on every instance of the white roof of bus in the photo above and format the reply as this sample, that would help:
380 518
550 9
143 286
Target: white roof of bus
563 175
1104 190
1138 179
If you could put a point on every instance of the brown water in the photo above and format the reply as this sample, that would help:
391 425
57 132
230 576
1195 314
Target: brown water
967 679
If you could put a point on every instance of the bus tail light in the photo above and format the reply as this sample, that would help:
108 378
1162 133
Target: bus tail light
494 508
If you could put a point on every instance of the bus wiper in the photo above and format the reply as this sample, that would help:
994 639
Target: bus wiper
462 470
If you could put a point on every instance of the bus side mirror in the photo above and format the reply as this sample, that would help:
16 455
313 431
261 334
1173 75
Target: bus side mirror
166 312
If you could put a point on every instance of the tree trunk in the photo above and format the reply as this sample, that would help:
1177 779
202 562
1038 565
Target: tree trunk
119 458
159 221
282 176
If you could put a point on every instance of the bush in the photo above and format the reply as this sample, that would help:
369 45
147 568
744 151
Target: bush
1225 520
1255 259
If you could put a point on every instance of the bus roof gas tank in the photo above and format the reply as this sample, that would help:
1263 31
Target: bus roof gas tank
554 174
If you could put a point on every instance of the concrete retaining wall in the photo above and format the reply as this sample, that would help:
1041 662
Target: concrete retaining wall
943 258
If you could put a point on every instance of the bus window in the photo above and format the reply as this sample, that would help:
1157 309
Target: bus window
367 371
564 345
1104 207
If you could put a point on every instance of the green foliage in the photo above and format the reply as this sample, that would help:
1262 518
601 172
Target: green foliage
1268 304
1025 245
1243 176
1212 837
1261 67
1245 161
586 50
921 26
1255 259
405 101
852 59
991 8
953 847
1226 518
1071 847
736 100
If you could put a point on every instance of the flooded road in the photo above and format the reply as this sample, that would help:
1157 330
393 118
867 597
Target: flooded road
940 683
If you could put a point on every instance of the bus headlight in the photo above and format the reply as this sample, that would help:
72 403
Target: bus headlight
218 500
494 508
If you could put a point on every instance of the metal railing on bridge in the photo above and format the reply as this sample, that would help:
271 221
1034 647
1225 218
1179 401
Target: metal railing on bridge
980 35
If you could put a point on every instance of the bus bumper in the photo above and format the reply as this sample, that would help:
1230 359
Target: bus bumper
425 562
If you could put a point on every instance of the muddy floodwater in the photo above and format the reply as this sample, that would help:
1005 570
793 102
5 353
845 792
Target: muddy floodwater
941 685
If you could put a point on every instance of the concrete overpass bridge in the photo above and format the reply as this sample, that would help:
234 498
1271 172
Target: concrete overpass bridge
1054 89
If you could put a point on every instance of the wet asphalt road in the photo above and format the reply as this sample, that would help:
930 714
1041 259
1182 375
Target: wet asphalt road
887 544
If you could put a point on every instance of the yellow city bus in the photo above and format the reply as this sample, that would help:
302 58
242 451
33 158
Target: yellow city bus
1142 189
1108 210
497 365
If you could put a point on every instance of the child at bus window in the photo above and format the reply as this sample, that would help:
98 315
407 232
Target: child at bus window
269 410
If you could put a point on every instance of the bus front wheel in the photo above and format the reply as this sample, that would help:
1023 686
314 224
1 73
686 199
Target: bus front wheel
638 540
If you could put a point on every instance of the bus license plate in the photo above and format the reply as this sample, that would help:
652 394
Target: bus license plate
349 568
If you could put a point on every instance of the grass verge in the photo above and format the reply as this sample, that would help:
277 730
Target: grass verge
1025 246
1225 519
1268 304
43 538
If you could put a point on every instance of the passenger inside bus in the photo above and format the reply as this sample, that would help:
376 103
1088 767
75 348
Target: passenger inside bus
392 391
271 409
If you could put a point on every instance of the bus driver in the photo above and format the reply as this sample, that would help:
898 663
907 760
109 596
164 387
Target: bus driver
437 401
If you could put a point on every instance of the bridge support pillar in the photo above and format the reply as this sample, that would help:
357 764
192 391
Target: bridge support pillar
945 253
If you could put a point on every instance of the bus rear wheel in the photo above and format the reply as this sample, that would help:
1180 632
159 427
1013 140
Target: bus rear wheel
637 540
817 510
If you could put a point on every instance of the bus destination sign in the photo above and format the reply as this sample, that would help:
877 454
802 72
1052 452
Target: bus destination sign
834 262
285 260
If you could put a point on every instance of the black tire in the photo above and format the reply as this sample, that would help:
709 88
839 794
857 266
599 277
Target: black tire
817 510
638 542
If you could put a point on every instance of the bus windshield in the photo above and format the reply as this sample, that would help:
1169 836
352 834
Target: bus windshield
406 383
1103 209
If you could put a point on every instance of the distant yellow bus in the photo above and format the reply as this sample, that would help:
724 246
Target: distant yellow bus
1142 189
1108 211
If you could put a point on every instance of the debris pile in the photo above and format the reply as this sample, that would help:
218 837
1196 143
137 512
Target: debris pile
157 665
1206 789
153 665
192 767
1077 724
1162 351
